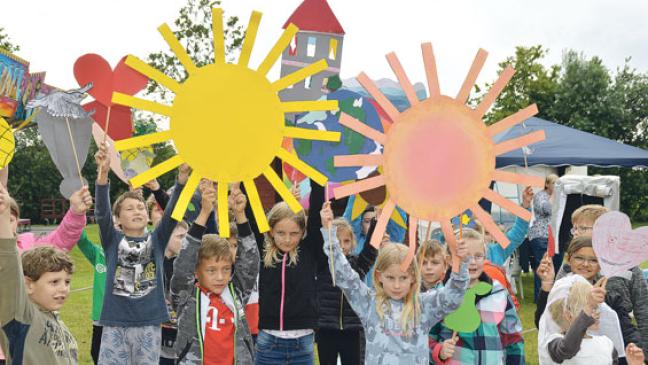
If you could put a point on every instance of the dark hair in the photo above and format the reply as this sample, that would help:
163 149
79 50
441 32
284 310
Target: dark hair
43 259
127 195
369 209
577 243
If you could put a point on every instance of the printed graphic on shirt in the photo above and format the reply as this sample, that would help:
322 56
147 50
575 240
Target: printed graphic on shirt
135 275
61 342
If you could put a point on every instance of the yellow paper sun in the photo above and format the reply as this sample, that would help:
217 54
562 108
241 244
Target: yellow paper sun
227 121
439 156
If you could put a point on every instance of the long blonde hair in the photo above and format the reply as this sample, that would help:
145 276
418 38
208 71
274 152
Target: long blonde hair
573 304
394 254
279 212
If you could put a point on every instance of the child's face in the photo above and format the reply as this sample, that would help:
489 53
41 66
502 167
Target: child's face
175 242
582 227
584 263
346 240
51 290
286 235
214 274
432 270
476 265
156 215
366 221
233 241
395 283
133 215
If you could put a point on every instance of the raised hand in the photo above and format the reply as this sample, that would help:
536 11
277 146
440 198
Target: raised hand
296 191
448 347
546 273
462 250
596 297
237 202
102 158
208 194
4 200
634 355
327 215
527 197
183 173
81 201
153 185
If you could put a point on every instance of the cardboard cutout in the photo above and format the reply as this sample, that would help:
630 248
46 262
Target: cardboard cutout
618 247
213 127
7 143
94 68
320 154
439 156
136 161
65 128
115 159
120 125
116 120
466 318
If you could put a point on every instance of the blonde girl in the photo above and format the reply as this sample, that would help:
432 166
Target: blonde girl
395 316
290 255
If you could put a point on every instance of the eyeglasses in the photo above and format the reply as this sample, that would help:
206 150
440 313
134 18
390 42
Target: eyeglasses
580 260
478 257
580 230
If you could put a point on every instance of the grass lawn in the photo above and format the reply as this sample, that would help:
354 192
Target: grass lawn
76 312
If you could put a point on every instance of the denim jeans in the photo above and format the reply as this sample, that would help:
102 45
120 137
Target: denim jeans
538 249
273 350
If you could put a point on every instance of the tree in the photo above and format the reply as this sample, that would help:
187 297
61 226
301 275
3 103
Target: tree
582 93
194 31
5 42
531 83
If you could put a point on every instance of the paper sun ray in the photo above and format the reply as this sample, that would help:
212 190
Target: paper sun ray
227 121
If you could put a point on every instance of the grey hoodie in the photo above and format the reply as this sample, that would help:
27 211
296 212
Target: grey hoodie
386 344
187 298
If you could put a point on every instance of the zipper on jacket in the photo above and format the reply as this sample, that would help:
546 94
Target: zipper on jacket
283 291
341 309
231 288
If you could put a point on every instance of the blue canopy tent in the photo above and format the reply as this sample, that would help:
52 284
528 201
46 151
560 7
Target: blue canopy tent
565 146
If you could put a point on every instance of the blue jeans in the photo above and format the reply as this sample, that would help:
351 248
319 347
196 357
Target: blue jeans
273 350
538 249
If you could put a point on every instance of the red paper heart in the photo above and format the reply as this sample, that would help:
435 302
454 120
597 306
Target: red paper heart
94 68
121 124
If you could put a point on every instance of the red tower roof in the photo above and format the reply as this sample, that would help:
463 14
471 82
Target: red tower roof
315 16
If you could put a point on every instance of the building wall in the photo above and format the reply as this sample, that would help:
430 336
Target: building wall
291 63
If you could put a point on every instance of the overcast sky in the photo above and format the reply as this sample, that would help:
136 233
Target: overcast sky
53 34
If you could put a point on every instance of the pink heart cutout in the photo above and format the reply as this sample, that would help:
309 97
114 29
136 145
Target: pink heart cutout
94 68
618 247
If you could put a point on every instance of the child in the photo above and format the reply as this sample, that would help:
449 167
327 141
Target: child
222 336
575 309
498 340
134 305
31 294
396 317
290 256
340 330
66 235
95 255
626 293
170 328
432 259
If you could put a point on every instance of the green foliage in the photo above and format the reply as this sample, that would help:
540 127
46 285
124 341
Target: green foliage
583 94
193 28
531 83
6 43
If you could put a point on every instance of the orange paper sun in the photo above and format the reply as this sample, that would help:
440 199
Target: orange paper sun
439 156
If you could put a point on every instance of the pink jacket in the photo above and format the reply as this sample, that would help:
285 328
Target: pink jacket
65 236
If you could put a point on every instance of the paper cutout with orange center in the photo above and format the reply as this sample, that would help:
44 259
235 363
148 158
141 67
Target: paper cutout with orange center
439 156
